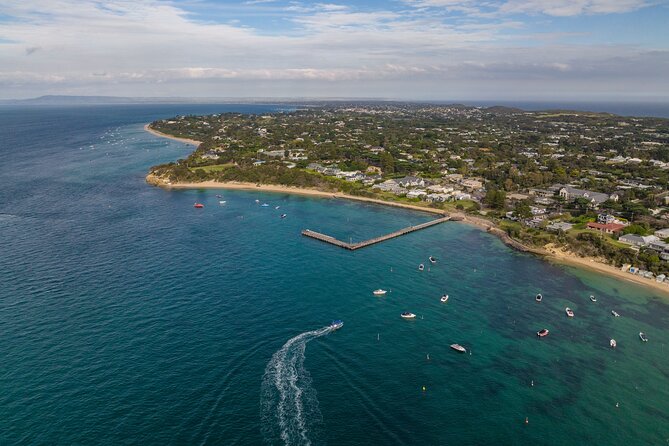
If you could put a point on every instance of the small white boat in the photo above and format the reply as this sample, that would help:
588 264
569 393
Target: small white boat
614 313
459 348
643 336
613 343
222 202
379 292
277 207
257 201
408 315
593 298
283 215
444 298
538 297
264 205
432 259
569 311
336 325
543 332
421 267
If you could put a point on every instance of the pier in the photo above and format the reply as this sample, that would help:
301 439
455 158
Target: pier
372 241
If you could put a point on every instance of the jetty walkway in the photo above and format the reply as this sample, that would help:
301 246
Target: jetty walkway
371 241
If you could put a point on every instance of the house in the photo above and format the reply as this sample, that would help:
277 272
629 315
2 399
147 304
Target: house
607 219
558 226
659 246
662 233
387 185
637 240
471 184
417 193
610 228
411 181
437 198
595 198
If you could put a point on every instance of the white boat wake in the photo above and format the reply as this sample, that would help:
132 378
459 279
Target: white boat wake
289 406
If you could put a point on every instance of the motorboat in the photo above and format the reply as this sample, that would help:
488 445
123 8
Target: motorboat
593 298
444 298
421 267
283 215
198 205
222 202
257 201
614 313
219 196
643 336
336 325
432 259
543 332
458 348
538 297
277 207
379 292
569 311
408 315
264 205
613 343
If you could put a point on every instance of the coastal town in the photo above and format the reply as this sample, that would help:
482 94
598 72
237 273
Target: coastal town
588 184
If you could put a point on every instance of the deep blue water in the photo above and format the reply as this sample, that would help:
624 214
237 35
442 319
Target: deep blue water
127 316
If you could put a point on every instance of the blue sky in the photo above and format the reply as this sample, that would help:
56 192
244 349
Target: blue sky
590 50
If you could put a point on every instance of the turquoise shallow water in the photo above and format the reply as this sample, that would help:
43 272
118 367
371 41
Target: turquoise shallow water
129 317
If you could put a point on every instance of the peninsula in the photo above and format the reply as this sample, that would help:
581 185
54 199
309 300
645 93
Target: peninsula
586 188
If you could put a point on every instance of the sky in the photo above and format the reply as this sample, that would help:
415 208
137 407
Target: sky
572 50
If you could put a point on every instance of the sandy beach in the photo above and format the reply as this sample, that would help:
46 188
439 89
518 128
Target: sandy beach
164 135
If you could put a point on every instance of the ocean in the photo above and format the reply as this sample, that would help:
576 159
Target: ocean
127 316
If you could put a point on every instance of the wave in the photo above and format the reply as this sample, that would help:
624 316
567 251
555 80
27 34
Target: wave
289 405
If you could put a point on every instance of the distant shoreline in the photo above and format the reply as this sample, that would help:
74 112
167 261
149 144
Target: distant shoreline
192 142
551 254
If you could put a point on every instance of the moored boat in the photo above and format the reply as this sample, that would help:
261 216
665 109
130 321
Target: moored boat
408 315
569 311
643 336
593 298
444 298
222 202
283 215
543 332
198 205
538 297
614 313
379 292
264 205
459 348
613 343
421 267
336 325
432 259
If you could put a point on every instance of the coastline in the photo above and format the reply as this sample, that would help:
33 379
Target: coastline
550 253
192 142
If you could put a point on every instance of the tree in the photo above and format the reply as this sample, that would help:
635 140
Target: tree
496 199
387 163
522 210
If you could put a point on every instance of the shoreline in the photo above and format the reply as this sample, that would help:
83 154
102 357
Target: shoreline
192 142
550 254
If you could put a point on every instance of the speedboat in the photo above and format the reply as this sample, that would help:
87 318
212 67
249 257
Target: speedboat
222 202
198 205
421 267
277 207
538 297
432 259
379 292
336 325
613 312
444 298
593 298
283 215
613 343
264 205
569 311
643 336
408 315
459 348
543 332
